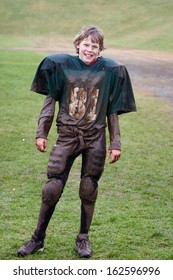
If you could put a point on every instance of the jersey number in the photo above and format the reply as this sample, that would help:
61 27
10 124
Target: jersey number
82 102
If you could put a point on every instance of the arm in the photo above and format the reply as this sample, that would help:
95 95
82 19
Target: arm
114 133
44 123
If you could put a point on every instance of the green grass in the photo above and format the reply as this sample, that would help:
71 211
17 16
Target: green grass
133 216
138 24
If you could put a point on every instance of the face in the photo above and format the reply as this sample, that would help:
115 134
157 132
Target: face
88 51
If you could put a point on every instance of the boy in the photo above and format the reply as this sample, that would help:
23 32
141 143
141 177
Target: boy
89 89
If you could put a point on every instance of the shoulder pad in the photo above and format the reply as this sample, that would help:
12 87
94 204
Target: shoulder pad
110 63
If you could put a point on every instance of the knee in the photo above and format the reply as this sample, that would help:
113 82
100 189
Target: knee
52 191
88 190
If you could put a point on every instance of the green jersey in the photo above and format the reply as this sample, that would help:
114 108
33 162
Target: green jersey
86 93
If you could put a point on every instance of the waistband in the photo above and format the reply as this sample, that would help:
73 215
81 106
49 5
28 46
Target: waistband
81 134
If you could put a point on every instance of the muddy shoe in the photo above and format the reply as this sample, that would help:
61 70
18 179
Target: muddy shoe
30 247
83 245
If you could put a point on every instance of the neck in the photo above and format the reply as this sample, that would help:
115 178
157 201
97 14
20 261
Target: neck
94 60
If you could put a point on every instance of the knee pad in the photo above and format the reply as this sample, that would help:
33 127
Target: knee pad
88 190
52 191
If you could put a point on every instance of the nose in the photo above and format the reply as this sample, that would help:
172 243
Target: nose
89 48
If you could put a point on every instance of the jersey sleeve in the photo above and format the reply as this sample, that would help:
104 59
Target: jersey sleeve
46 117
121 99
47 79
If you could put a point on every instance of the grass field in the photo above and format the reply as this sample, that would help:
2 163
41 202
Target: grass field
136 24
135 223
136 220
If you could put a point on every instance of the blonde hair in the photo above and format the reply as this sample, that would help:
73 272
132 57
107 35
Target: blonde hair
96 34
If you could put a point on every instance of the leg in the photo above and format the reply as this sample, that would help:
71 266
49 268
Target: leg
59 165
88 194
92 169
51 194
93 160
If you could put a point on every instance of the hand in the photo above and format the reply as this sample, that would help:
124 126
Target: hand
115 155
41 144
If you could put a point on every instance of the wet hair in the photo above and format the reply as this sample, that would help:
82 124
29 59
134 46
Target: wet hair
96 34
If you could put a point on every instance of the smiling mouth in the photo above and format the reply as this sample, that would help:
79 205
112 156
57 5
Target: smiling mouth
88 55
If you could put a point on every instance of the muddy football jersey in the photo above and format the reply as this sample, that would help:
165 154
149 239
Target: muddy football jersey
86 93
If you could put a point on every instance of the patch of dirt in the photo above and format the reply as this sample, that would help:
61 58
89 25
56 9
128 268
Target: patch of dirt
150 72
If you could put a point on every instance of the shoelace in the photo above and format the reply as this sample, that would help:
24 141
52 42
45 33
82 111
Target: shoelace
30 244
83 244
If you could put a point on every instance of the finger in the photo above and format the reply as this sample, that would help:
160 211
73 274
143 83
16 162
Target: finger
108 154
40 148
43 148
114 159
